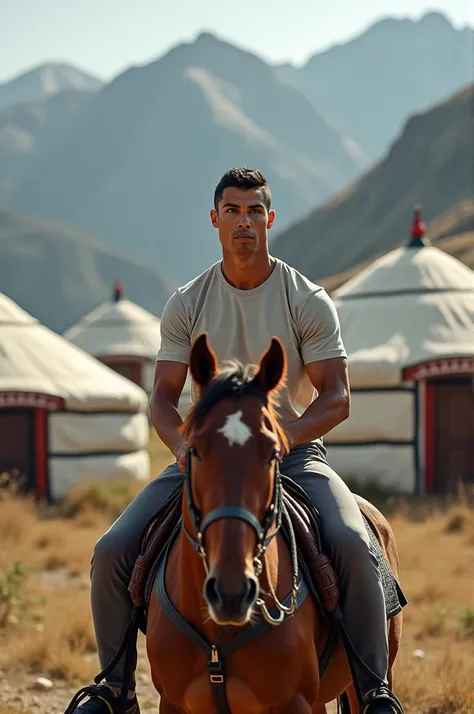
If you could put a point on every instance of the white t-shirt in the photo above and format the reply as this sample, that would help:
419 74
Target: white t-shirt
241 323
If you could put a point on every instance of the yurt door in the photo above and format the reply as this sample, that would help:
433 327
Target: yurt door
129 370
454 433
17 447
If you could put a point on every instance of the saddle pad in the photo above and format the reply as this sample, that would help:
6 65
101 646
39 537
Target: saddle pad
395 599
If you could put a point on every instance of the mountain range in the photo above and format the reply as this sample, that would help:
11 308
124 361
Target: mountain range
134 161
59 274
139 165
45 81
431 163
369 86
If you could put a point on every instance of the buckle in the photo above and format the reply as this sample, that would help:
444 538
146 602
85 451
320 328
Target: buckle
216 670
216 678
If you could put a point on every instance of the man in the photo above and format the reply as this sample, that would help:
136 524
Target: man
242 301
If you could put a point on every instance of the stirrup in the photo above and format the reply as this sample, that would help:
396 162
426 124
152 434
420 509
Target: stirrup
381 694
99 695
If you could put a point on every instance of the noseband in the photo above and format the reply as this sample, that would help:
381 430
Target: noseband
273 515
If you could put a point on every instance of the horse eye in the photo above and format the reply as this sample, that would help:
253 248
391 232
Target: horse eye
194 452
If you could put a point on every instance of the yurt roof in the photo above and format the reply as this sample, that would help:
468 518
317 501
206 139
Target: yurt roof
117 327
413 305
35 359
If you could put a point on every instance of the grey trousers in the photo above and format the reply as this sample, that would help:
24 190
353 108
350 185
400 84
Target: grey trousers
362 603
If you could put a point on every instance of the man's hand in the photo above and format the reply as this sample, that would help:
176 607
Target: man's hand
181 454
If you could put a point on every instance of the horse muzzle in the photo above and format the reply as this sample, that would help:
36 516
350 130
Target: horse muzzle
230 607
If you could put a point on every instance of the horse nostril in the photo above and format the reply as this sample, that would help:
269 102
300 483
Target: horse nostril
251 591
210 591
230 602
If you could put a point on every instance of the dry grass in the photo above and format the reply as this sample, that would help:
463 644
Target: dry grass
53 635
437 558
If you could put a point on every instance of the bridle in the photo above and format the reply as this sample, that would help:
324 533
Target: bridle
272 516
272 521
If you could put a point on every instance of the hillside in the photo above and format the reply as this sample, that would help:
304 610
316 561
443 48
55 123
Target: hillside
369 86
431 164
452 232
45 81
140 167
29 129
58 274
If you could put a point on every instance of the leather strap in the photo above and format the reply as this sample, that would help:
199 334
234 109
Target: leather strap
231 512
216 656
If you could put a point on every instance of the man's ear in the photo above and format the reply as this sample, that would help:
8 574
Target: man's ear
271 218
214 218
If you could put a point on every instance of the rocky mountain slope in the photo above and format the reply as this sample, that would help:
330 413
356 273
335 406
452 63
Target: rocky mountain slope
369 86
453 232
431 163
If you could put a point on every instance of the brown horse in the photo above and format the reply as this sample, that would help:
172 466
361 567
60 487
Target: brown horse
229 560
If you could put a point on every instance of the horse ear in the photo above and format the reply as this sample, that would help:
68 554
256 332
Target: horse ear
203 362
272 367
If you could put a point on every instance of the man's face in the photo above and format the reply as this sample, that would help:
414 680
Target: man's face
242 220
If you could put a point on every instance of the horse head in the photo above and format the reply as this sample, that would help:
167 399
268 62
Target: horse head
233 493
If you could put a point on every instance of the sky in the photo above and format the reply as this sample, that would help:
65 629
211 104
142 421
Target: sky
106 36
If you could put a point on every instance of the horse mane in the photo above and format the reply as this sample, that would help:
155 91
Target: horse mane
234 380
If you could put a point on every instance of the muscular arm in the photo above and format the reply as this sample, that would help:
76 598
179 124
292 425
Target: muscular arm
167 387
330 408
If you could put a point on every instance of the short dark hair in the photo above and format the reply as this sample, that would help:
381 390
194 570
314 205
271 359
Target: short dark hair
243 178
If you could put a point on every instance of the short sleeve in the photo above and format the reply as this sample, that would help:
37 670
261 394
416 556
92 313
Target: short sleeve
175 336
319 329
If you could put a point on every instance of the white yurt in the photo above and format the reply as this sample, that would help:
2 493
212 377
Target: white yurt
407 322
64 416
124 336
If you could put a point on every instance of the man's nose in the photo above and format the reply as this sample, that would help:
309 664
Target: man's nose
244 220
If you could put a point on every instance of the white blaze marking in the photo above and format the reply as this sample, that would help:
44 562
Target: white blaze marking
235 430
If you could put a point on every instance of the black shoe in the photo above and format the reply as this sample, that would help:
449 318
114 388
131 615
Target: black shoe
381 701
104 699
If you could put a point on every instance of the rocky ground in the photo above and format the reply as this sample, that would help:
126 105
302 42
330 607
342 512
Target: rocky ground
47 695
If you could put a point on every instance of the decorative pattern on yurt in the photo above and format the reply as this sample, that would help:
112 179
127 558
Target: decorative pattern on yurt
64 417
124 336
408 326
